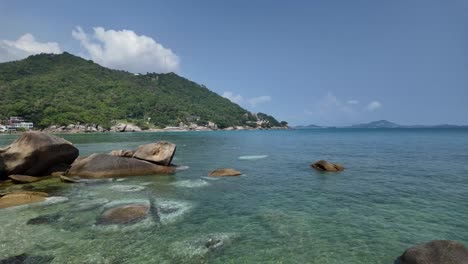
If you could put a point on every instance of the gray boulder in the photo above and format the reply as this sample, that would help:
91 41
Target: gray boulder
107 166
33 153
160 152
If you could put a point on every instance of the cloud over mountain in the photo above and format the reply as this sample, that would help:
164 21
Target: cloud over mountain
25 46
125 50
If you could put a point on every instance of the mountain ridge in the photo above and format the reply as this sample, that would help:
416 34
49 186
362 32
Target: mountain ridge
62 89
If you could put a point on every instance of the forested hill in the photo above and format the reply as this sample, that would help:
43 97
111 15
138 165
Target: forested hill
65 89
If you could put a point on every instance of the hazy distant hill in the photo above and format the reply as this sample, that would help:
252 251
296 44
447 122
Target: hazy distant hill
377 124
383 124
307 127
63 89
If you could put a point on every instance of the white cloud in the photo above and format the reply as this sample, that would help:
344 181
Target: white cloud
352 102
374 105
253 101
125 50
25 46
259 100
238 99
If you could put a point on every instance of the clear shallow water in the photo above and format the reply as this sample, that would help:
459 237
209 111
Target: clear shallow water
400 187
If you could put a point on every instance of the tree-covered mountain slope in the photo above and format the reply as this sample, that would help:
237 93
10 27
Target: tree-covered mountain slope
65 89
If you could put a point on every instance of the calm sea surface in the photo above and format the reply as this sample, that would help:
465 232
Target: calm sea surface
400 187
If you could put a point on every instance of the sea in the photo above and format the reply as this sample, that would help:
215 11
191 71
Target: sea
400 187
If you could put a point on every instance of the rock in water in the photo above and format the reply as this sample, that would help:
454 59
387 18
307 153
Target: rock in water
224 172
27 259
33 153
435 252
323 165
105 166
24 179
160 152
124 214
20 198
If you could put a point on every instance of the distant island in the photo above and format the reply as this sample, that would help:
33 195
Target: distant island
65 91
382 124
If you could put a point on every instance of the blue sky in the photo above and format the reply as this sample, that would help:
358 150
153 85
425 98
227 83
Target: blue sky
306 62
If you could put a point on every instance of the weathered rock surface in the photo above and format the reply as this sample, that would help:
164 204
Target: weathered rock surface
20 198
124 214
33 153
435 252
24 179
160 152
323 165
224 172
126 153
104 166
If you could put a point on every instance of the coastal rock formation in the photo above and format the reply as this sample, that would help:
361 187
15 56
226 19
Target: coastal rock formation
33 153
124 214
122 127
435 252
104 166
323 165
20 198
224 172
160 152
24 179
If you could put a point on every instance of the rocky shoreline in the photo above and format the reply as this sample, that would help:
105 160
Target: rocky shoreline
127 127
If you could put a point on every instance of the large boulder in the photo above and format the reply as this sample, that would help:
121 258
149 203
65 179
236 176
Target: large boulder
435 252
160 152
33 153
105 166
323 165
224 172
21 198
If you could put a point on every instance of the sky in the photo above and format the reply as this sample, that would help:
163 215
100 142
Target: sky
306 62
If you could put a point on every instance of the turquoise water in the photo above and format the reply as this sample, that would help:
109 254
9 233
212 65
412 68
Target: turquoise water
400 187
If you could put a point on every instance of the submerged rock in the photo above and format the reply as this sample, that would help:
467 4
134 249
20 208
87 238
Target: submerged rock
44 219
161 152
127 188
21 198
20 179
27 259
33 153
105 166
323 165
224 172
124 214
435 252
202 246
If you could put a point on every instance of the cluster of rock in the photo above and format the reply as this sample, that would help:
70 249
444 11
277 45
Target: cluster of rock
35 156
75 128
122 127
